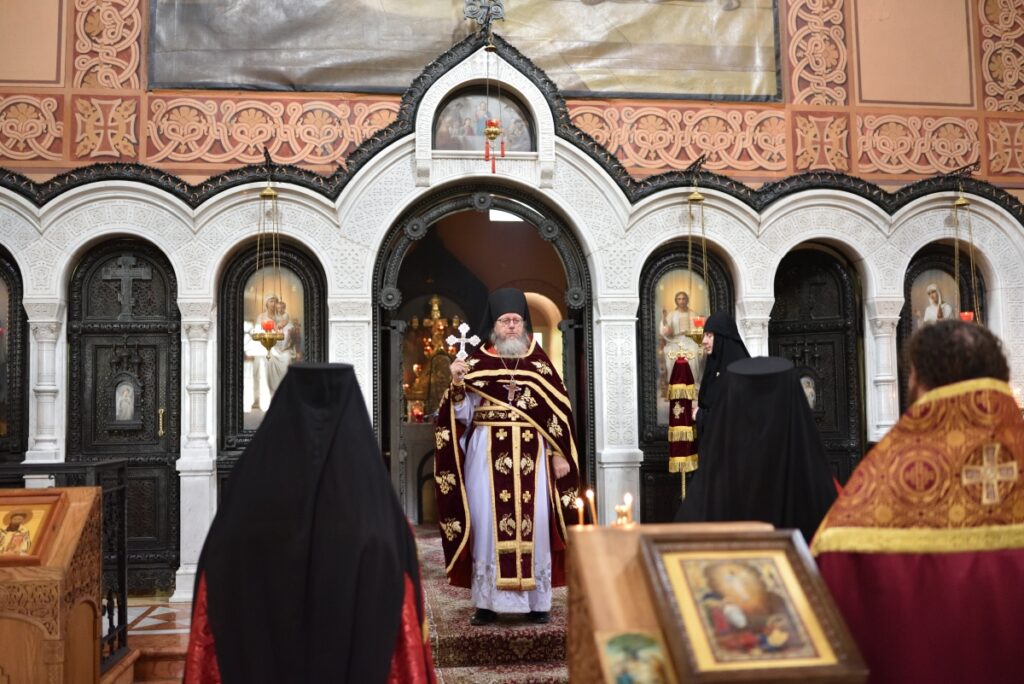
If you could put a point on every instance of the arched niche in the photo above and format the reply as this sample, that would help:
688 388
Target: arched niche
412 265
816 324
246 372
669 270
935 265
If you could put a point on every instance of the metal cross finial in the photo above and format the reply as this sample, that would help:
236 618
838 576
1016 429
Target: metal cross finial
484 12
463 341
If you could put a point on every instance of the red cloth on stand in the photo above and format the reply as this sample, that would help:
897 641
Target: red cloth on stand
682 448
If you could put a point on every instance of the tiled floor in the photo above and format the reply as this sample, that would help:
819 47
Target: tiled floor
150 619
159 630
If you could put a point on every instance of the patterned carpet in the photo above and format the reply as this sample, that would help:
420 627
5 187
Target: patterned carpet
511 650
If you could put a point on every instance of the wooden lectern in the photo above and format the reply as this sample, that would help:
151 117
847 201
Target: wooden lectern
50 577
712 602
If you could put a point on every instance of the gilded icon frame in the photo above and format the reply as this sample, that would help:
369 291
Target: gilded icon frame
786 626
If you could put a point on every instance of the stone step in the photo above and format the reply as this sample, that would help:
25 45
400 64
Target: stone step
532 673
507 642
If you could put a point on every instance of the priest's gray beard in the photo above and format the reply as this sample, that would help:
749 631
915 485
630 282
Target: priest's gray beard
511 346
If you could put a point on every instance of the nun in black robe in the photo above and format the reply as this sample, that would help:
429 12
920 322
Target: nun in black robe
763 458
727 347
309 572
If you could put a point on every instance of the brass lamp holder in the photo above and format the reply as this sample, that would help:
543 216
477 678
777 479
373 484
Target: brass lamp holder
268 338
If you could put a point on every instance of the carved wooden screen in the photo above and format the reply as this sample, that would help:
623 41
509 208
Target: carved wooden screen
664 276
930 294
13 364
124 393
816 323
294 302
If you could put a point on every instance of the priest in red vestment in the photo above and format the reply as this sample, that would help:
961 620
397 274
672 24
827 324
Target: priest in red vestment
924 548
506 469
309 572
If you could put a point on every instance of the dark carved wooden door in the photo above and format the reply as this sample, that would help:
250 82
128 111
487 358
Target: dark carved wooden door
124 393
815 323
13 369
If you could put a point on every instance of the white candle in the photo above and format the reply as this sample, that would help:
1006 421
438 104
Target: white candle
593 507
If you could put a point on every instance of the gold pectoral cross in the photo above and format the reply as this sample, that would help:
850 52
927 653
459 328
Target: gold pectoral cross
513 389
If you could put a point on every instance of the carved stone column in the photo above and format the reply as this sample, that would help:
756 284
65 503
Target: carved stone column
883 405
46 431
197 388
618 454
752 317
197 467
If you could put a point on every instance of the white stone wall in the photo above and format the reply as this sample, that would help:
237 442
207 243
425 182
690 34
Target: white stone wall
346 235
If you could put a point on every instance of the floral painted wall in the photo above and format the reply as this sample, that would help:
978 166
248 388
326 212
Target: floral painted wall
864 94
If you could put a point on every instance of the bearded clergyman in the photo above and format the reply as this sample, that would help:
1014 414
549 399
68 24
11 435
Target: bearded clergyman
506 469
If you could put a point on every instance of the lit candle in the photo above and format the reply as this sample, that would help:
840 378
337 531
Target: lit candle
579 508
593 508
628 501
967 316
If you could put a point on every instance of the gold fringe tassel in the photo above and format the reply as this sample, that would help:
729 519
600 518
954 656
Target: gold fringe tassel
682 465
682 392
680 433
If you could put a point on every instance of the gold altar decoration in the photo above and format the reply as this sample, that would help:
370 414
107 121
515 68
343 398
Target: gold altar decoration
426 361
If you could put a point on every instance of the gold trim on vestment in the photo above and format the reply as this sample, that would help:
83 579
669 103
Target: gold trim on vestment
541 429
680 433
958 388
517 492
521 376
516 422
542 432
918 539
462 489
682 392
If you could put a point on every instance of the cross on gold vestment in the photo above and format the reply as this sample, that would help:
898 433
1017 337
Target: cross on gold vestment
990 473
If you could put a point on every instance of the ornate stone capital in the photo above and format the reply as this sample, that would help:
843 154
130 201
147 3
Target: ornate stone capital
754 327
197 331
44 310
884 326
45 331
353 309
885 307
195 309
618 308
755 308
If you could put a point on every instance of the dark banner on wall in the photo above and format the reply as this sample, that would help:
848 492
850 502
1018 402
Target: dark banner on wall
719 49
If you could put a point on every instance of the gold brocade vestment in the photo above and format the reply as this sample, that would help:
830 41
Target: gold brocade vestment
521 408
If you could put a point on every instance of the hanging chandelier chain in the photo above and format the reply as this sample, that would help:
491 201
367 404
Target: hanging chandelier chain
974 275
956 245
961 202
